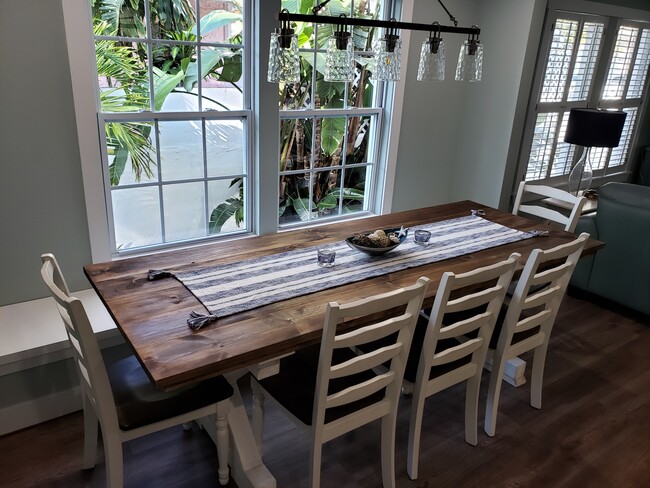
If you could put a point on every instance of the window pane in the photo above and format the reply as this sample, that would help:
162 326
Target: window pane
169 18
222 80
221 22
184 206
173 90
621 63
181 150
131 153
620 153
295 144
136 212
640 70
357 180
122 76
128 21
598 157
326 192
225 147
227 205
559 60
360 132
542 147
329 141
583 70
362 90
563 151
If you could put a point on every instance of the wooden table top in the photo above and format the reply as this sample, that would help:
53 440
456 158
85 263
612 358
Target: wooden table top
152 315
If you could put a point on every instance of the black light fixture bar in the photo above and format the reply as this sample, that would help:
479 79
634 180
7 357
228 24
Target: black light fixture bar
387 24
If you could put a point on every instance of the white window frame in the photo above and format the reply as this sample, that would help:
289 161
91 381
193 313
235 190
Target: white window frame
612 21
264 128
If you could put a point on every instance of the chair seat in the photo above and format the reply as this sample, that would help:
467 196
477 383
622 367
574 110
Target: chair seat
294 386
139 403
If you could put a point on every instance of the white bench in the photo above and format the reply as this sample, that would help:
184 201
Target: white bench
32 335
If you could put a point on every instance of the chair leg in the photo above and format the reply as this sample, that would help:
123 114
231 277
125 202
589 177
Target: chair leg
315 461
537 376
114 461
223 441
388 423
415 430
91 425
258 414
471 408
494 391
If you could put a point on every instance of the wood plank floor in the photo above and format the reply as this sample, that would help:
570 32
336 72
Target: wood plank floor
592 431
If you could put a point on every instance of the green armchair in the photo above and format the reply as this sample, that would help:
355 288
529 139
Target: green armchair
621 270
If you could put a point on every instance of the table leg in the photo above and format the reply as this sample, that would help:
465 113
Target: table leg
246 466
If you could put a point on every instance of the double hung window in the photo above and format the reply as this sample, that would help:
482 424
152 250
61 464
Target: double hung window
329 131
174 109
589 61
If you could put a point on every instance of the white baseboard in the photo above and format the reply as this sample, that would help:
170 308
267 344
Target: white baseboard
37 410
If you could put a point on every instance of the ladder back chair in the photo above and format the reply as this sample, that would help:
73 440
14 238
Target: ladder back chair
121 398
560 199
332 389
454 344
530 317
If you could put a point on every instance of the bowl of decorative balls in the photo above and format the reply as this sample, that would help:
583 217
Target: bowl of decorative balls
378 242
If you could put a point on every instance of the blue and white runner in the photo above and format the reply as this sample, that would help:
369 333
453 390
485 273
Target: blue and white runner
236 287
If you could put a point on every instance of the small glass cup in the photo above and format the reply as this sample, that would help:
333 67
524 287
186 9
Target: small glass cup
326 258
422 237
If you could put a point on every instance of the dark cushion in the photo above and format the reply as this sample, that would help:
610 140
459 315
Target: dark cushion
139 403
294 386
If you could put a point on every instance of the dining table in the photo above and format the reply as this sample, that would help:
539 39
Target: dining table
152 314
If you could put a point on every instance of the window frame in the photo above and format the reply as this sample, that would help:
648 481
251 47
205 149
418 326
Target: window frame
262 136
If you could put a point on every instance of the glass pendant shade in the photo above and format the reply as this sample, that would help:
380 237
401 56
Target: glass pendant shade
284 62
581 175
339 60
388 58
470 61
432 60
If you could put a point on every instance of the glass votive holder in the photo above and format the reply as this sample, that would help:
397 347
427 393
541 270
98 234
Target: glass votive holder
326 257
422 237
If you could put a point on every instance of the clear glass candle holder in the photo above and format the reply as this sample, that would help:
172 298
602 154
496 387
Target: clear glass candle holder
326 258
421 237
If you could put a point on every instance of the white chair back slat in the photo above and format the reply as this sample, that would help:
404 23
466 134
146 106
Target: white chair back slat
464 327
542 297
455 353
366 361
373 332
360 391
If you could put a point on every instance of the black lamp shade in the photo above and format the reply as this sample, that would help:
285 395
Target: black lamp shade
591 127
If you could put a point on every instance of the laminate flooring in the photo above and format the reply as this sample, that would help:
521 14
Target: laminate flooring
593 430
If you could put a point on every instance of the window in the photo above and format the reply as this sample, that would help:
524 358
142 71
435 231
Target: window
576 72
329 130
174 110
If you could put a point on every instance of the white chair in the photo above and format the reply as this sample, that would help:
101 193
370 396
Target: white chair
558 198
450 346
121 397
530 317
331 389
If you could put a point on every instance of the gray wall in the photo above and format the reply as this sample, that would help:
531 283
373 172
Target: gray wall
41 197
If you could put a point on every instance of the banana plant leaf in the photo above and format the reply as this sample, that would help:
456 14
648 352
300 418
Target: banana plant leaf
301 207
216 19
209 60
163 85
223 212
332 130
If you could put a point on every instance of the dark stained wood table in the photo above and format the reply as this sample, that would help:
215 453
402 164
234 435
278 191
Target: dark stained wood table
152 315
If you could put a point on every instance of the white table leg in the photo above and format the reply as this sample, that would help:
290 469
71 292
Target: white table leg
246 466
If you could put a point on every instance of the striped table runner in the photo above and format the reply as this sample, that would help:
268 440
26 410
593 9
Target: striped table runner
236 287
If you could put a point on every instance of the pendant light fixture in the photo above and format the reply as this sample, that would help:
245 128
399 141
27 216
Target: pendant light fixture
339 59
388 55
432 56
470 59
284 57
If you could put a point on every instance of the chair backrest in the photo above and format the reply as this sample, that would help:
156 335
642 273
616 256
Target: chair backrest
554 197
90 366
388 316
538 294
466 304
